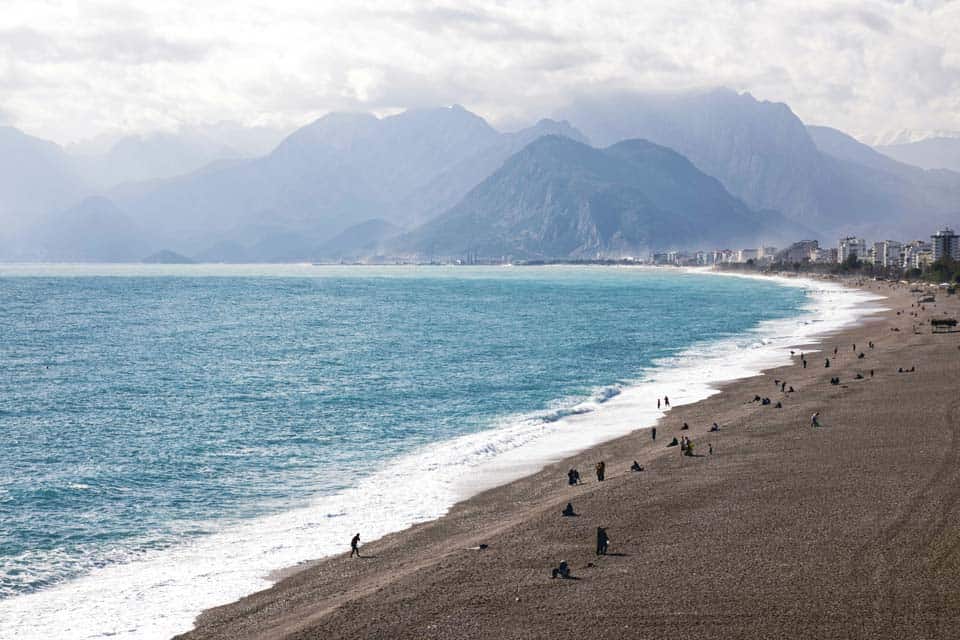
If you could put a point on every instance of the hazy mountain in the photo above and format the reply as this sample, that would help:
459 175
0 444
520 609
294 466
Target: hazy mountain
110 160
838 144
764 154
330 175
95 230
361 240
931 153
165 256
36 177
920 199
449 186
151 157
249 141
559 197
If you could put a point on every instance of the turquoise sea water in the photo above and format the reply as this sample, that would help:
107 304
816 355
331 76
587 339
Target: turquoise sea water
142 408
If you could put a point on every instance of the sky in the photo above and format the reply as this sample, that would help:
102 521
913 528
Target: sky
72 70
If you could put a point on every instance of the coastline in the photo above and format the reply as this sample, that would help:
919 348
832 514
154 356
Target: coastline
161 593
307 599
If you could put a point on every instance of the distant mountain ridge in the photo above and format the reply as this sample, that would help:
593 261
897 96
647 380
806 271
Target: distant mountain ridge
36 177
562 198
930 153
343 186
330 175
94 230
765 155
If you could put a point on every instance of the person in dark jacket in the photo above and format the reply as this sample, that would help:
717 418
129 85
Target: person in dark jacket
603 541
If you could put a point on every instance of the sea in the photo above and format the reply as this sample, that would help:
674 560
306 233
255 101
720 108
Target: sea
171 435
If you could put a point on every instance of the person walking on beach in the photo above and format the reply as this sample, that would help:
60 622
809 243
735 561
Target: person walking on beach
603 541
601 469
666 400
355 546
814 419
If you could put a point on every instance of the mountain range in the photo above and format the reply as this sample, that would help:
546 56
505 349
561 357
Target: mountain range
765 155
691 170
560 197
930 153
341 170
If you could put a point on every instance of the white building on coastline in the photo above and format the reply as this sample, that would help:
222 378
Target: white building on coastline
887 254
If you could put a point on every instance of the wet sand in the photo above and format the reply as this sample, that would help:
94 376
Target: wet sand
851 530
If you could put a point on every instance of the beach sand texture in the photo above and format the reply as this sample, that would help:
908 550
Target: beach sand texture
851 530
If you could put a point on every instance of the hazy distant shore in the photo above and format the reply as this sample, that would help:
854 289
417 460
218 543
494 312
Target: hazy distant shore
842 531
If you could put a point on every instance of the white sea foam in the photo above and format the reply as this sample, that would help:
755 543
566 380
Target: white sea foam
158 595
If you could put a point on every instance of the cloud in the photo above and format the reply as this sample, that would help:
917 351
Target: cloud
477 23
69 69
135 46
123 46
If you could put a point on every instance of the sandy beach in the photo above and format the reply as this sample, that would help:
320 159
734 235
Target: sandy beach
849 530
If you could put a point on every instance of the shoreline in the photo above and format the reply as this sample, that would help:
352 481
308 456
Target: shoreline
519 446
226 620
233 562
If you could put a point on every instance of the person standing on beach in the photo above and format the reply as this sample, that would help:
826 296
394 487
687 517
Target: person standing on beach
653 433
603 541
658 403
666 400
814 419
355 546
601 469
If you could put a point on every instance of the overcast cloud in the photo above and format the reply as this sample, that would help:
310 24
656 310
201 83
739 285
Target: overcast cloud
70 70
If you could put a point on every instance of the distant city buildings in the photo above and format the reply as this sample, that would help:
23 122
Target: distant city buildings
884 254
